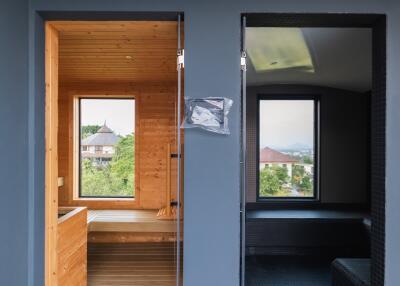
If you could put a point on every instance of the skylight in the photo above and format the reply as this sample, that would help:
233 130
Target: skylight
273 49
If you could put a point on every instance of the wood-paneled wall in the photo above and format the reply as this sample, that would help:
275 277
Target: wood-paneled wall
72 248
155 128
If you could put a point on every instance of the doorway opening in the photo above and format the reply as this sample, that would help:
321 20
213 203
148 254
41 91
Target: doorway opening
313 200
114 152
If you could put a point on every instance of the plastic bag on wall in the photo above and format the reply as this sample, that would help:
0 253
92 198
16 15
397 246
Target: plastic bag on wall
210 113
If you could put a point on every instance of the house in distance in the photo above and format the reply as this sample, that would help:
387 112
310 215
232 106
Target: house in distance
99 148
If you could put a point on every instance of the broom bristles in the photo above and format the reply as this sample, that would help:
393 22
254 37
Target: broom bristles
162 213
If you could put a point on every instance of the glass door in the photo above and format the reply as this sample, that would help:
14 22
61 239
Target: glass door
243 65
179 155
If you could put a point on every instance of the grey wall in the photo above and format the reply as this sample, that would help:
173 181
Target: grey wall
343 145
14 142
212 162
392 276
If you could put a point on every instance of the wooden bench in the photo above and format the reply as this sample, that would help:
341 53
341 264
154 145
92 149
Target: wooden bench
129 226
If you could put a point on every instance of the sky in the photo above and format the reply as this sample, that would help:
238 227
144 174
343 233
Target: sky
119 114
286 122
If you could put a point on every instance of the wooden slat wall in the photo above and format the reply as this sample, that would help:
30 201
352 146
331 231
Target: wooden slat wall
63 147
139 51
72 248
157 129
156 107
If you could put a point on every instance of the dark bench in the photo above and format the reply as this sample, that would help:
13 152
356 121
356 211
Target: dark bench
293 232
351 272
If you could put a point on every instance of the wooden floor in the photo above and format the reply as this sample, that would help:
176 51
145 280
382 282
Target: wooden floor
144 264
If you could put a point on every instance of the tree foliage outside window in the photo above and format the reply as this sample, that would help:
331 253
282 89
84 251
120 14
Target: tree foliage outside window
275 182
115 179
302 181
88 130
272 181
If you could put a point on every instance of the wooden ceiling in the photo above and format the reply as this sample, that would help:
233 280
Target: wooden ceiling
134 51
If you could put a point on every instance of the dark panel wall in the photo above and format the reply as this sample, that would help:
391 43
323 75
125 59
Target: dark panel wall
14 142
344 147
378 158
344 144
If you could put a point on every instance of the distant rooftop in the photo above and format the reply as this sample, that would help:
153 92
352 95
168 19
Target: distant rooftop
104 137
268 155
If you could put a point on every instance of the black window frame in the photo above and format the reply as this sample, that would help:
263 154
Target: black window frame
316 186
80 196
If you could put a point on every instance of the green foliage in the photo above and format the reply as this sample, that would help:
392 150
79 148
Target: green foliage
306 185
302 181
308 160
88 130
281 173
272 181
269 183
275 182
115 179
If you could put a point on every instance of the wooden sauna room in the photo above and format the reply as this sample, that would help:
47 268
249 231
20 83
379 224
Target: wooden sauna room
114 153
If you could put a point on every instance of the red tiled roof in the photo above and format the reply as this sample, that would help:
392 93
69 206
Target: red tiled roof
268 155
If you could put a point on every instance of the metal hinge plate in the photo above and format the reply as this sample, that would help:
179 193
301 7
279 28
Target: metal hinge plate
243 64
181 59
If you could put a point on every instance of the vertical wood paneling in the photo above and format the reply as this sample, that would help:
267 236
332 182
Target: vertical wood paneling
155 129
72 248
51 161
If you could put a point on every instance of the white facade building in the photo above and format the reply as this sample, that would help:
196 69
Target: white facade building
99 148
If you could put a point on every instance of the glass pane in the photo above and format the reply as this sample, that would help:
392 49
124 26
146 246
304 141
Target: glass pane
286 159
107 147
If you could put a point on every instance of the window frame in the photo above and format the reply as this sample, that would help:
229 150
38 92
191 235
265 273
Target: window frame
316 186
97 148
78 158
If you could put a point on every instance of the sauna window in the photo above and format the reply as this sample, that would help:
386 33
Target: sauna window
287 152
107 147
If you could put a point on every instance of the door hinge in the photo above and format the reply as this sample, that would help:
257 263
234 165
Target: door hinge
243 64
181 59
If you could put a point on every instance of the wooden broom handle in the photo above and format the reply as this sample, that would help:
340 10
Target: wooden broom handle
168 180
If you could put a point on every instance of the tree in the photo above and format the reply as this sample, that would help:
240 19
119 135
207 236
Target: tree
115 179
281 173
306 185
122 166
272 180
307 160
297 175
88 130
302 180
269 183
